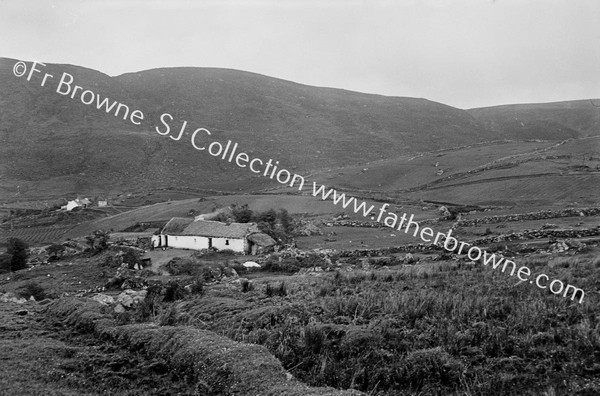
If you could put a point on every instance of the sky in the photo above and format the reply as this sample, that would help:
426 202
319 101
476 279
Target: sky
464 53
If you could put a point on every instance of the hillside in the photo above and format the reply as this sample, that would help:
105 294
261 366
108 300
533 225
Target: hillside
53 145
559 120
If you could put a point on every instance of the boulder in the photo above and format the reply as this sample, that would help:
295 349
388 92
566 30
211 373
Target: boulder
119 309
251 264
103 299
131 297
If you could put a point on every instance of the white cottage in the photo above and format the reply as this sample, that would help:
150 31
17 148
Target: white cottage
76 203
187 233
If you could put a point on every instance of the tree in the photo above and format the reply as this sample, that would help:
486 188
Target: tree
286 220
243 214
17 249
270 217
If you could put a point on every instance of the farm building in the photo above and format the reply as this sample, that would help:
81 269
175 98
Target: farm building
187 233
76 203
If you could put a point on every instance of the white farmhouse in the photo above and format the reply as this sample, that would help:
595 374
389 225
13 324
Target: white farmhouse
76 203
187 233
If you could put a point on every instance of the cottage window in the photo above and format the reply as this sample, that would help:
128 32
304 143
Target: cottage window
226 241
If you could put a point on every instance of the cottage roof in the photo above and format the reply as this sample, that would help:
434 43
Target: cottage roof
207 228
176 225
261 239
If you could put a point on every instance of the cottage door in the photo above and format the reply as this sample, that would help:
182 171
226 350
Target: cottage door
209 243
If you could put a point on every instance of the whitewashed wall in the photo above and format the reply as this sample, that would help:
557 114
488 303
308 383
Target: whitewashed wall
198 243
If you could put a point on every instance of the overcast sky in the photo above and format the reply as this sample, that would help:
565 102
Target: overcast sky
465 53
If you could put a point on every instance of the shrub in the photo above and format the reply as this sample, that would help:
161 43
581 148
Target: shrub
56 249
239 268
286 220
5 260
242 214
98 241
168 316
33 289
289 265
178 266
247 286
282 290
174 291
149 307
17 249
271 291
131 257
197 287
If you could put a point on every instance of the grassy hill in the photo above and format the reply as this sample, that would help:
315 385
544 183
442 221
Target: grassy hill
53 145
559 120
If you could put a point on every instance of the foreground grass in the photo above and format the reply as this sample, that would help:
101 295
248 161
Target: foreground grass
39 358
439 328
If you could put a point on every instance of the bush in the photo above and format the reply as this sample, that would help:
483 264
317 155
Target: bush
174 291
5 260
32 289
98 241
271 291
197 287
242 214
247 286
168 316
56 249
149 307
17 249
239 268
178 266
289 265
131 257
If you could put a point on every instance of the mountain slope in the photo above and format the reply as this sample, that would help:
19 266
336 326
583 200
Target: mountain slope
52 144
560 120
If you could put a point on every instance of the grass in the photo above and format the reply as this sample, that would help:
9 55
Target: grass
214 364
435 328
43 357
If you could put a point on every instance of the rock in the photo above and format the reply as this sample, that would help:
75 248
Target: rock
103 299
125 300
119 309
131 297
409 258
31 298
251 264
17 300
444 212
